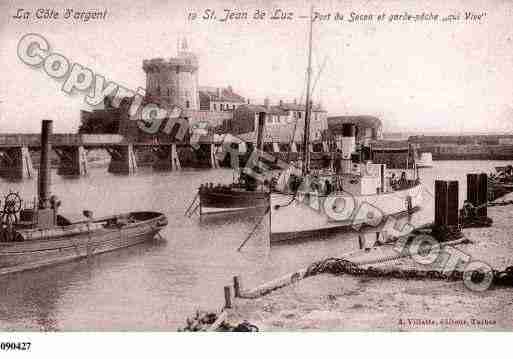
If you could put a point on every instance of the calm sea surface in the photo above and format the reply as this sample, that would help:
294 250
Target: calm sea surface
155 286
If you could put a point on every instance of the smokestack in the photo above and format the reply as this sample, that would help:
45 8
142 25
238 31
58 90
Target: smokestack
348 145
44 165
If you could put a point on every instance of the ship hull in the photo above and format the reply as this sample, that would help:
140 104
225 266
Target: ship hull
75 241
228 200
300 216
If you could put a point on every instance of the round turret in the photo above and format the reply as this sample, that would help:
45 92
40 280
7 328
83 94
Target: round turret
173 81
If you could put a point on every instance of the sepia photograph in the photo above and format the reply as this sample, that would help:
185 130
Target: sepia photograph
255 166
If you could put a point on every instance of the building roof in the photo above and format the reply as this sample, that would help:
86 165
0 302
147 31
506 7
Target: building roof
280 134
362 120
220 94
275 110
299 107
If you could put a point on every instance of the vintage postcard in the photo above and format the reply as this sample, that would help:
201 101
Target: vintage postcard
255 166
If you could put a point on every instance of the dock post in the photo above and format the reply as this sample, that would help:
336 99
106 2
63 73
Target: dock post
447 225
236 286
453 203
473 188
483 195
440 203
227 297
477 196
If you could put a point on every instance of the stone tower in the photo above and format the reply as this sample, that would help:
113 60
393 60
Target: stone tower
173 82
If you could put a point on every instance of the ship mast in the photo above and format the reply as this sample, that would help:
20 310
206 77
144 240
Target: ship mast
308 109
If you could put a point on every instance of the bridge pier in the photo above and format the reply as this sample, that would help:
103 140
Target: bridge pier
73 161
122 159
166 158
16 163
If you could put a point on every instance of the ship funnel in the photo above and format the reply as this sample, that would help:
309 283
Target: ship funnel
348 145
348 140
43 184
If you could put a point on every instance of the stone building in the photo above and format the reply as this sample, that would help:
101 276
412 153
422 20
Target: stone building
282 120
219 99
173 82
169 83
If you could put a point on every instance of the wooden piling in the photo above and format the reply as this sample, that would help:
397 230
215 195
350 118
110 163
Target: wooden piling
473 188
452 203
446 203
440 203
227 297
236 286
482 196
477 192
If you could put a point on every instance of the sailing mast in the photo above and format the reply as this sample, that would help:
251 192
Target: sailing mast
308 109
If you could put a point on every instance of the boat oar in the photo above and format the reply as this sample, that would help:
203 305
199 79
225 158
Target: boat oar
254 229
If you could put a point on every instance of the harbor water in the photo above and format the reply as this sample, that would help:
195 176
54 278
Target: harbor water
155 286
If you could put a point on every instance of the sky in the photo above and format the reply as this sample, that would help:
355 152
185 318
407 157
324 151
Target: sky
425 76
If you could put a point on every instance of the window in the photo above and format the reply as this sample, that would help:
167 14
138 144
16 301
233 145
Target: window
299 114
215 107
222 107
187 104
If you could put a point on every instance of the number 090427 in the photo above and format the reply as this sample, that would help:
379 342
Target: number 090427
15 346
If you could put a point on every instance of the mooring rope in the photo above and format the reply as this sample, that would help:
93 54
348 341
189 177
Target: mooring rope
339 266
253 230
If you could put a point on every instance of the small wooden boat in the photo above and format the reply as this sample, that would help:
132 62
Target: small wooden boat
245 194
28 248
231 198
38 235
